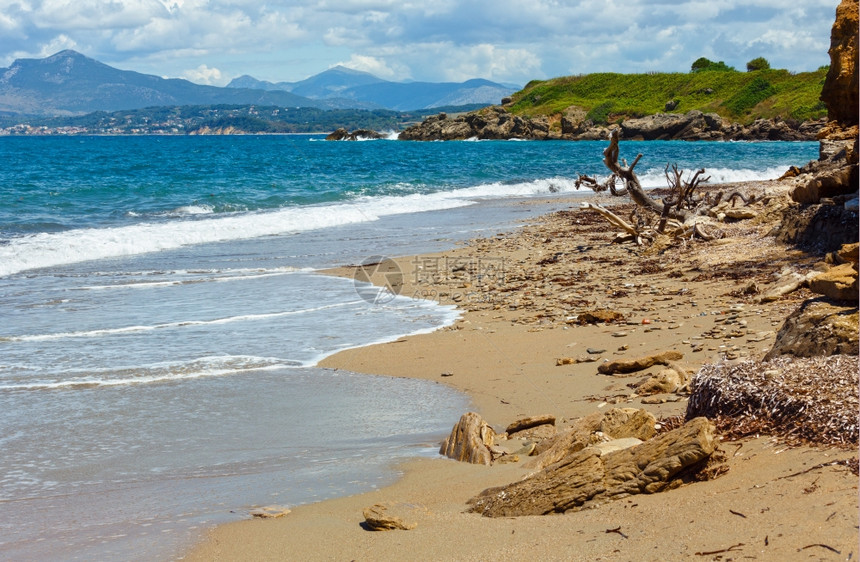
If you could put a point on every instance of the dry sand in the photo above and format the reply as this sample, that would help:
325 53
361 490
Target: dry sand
522 295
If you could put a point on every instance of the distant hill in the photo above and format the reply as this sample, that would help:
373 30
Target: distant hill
347 84
69 83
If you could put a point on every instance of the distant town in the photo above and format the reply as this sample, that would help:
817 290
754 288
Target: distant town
217 119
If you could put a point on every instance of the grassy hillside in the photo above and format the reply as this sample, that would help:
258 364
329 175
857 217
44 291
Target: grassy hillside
739 96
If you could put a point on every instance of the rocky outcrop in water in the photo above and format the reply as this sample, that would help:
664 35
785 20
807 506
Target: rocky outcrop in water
496 123
358 134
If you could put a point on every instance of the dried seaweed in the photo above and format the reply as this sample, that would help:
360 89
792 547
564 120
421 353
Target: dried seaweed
811 400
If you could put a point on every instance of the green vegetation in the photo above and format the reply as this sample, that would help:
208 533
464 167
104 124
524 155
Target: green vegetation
738 96
749 96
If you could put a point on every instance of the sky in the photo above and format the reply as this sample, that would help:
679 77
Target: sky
508 41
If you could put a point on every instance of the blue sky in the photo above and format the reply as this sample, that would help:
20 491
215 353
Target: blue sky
213 41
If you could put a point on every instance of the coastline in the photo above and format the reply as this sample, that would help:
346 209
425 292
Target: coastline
519 295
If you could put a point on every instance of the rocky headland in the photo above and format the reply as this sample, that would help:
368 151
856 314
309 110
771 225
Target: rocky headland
496 122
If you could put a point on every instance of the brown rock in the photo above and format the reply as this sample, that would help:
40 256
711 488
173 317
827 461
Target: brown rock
595 316
838 283
830 183
378 518
840 92
619 423
588 476
639 364
740 213
667 380
269 512
537 433
532 421
470 440
818 327
850 253
616 423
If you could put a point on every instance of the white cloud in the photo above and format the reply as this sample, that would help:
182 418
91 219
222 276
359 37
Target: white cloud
204 75
504 40
375 66
59 43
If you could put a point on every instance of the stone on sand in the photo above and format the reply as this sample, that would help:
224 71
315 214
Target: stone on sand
470 440
590 476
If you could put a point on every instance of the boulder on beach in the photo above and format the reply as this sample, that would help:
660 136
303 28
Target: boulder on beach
470 440
592 475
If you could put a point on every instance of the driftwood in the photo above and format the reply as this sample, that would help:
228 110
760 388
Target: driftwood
682 214
596 186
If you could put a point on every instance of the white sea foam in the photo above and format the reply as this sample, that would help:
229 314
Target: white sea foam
213 366
51 249
177 324
214 276
656 178
190 210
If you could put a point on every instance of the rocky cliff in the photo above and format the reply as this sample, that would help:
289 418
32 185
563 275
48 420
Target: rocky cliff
840 92
496 123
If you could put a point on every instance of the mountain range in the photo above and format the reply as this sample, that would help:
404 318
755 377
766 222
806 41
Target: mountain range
343 83
69 83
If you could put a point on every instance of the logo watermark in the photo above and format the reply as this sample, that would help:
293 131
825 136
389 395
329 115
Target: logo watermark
378 280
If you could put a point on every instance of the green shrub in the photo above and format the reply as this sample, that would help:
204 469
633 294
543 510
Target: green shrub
702 64
759 63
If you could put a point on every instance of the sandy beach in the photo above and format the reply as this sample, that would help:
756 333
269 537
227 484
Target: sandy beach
521 348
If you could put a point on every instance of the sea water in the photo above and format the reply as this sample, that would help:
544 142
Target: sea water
162 310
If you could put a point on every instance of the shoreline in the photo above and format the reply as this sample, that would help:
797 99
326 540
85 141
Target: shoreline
520 294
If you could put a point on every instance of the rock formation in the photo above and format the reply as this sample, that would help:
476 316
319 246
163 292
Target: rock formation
818 327
358 134
496 123
616 423
827 188
592 475
489 123
840 92
640 363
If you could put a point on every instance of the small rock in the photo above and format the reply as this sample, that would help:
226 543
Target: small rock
529 422
667 380
740 213
595 316
377 518
639 364
269 512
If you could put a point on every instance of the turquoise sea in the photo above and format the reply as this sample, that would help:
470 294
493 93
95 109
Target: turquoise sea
162 316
